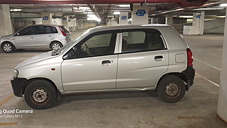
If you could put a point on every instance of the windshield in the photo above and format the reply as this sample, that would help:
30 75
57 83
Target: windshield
68 45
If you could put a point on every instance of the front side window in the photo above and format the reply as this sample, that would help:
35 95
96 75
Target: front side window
141 40
26 31
96 45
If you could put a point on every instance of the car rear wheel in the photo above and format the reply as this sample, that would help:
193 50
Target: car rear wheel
8 47
171 89
55 45
40 94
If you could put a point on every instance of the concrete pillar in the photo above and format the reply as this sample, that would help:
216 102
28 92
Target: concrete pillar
47 18
123 18
197 27
169 19
140 14
65 22
151 20
222 98
5 20
198 21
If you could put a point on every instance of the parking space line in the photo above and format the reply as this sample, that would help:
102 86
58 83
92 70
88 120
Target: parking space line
207 79
207 64
6 99
4 124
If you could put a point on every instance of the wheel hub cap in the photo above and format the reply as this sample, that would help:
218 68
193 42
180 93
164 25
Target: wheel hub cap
7 47
172 89
56 46
39 95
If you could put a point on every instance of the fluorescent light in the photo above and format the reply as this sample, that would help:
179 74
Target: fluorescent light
84 8
223 5
185 16
116 13
16 10
93 17
206 9
124 5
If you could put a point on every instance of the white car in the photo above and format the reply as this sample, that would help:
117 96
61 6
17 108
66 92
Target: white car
133 57
36 37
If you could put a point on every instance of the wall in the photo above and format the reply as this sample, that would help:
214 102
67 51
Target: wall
214 26
57 21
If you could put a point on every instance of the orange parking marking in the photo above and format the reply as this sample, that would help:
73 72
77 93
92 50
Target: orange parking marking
6 99
1 124
207 79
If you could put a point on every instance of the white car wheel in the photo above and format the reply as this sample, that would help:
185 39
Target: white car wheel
56 45
7 47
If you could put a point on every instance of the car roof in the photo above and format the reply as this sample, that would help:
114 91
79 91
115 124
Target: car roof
45 25
118 27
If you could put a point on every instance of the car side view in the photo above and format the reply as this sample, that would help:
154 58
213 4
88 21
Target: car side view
36 37
117 58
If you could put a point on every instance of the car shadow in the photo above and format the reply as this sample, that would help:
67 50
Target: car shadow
26 51
29 51
105 95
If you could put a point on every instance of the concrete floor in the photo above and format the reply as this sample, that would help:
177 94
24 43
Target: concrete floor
124 109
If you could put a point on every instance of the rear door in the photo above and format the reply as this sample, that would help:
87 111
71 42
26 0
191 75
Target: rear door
43 36
143 59
91 64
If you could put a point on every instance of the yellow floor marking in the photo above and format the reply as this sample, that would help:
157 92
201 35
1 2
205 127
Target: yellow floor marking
194 117
207 79
8 124
6 99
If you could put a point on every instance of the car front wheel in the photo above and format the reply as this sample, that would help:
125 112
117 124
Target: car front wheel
171 89
40 94
8 47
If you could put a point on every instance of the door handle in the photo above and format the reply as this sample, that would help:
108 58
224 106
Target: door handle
106 62
158 58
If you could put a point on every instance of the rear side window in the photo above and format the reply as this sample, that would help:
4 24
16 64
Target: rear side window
141 40
64 29
50 29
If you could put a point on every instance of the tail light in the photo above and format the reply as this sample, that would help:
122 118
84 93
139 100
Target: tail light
63 33
190 57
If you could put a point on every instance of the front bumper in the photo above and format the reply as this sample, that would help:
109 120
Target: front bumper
18 85
189 73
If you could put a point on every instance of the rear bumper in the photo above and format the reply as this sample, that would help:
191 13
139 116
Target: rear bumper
18 86
189 73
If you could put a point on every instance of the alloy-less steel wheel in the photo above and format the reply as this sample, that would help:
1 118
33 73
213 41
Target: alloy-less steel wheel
55 45
40 94
8 47
171 89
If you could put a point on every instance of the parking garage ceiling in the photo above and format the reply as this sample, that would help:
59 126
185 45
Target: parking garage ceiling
105 9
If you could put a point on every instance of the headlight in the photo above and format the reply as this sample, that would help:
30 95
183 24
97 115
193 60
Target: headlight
15 73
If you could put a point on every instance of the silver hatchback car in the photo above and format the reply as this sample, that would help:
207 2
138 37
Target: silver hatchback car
118 58
36 37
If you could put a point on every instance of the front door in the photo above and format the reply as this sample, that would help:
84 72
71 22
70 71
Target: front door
91 64
25 38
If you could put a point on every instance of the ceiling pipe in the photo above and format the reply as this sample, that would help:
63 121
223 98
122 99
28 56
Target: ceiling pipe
183 3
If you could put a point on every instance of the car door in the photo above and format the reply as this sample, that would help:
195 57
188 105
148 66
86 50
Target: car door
43 36
143 59
91 64
24 38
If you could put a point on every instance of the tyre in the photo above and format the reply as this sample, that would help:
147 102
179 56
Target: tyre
40 94
171 89
55 45
8 47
